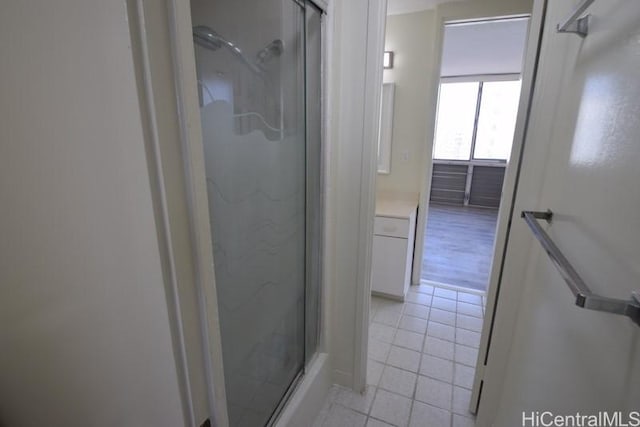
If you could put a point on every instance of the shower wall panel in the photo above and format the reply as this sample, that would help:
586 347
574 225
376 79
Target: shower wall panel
251 80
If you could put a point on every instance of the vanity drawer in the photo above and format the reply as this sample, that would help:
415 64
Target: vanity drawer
393 227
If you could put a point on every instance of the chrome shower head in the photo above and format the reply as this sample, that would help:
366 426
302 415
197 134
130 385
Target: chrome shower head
209 39
206 37
272 50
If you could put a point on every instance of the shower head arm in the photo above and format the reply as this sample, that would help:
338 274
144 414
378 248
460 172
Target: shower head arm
206 37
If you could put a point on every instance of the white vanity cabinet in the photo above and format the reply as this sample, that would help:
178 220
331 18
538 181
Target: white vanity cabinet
394 234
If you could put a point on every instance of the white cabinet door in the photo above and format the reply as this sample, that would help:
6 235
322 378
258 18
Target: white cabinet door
563 358
389 265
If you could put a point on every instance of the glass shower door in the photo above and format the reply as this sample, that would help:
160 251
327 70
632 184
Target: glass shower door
251 78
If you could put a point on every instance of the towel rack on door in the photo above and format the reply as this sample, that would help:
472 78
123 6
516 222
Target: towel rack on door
574 22
584 297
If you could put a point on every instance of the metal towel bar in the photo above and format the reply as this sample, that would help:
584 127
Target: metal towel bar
576 24
584 297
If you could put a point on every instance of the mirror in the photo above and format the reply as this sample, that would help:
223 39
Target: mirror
385 132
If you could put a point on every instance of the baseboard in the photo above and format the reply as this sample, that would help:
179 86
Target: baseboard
344 379
387 296
453 287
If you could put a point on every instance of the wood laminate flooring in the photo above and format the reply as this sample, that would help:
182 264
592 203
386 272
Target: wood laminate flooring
458 245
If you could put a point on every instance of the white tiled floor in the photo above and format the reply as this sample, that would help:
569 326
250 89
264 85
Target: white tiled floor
422 356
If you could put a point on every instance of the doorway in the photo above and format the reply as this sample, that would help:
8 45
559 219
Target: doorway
479 93
423 350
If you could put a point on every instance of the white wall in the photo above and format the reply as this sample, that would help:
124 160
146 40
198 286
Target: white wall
355 72
412 39
84 327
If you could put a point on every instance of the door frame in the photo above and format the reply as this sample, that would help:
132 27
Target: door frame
371 103
161 45
425 190
510 181
187 99
182 62
457 13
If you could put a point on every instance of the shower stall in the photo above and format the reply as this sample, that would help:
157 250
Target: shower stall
259 84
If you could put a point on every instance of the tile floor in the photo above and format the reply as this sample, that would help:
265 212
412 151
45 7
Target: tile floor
422 356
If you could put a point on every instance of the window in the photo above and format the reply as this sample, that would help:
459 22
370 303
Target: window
455 122
497 119
476 120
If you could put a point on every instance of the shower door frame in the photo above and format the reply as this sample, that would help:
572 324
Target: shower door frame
184 64
167 37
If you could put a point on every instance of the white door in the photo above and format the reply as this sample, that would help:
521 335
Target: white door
582 161
389 261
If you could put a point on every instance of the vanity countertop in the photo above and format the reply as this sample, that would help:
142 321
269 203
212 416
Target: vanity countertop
395 207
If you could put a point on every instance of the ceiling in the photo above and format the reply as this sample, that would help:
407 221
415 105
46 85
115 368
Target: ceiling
398 7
